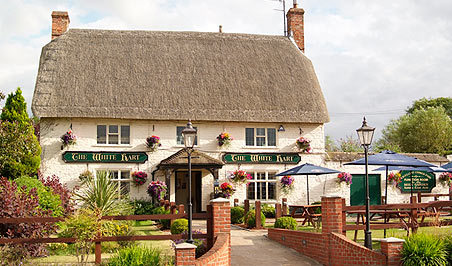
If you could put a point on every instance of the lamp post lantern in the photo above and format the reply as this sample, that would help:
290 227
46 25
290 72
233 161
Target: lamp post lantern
189 134
365 135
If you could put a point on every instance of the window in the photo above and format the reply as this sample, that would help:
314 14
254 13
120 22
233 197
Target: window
180 138
262 186
113 134
260 137
123 178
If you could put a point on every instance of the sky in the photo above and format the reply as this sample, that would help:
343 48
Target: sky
372 58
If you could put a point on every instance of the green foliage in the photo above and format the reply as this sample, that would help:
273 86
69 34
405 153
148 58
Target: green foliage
330 145
20 151
85 226
422 249
425 130
48 200
179 226
268 210
448 247
85 176
286 223
13 255
250 219
350 144
424 103
15 109
101 194
237 214
139 256
164 222
143 207
118 228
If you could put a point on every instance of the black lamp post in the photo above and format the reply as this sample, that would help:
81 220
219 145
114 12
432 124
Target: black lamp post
365 135
189 134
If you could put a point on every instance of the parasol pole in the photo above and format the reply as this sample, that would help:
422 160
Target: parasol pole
411 180
307 187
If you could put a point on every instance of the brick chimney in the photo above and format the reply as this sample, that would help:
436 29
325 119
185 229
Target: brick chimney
295 25
60 23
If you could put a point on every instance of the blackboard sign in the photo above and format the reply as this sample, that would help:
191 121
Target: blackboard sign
422 181
273 158
104 157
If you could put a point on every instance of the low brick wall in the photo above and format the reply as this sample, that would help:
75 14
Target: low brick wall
219 254
346 252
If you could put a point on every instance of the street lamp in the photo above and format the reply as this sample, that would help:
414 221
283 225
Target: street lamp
189 134
365 135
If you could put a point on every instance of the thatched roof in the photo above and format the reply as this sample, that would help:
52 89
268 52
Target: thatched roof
198 160
177 76
351 156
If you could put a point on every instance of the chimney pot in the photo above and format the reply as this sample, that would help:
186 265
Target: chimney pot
60 23
220 29
295 5
295 25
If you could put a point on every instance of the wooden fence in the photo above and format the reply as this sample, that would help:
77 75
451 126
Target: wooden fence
168 205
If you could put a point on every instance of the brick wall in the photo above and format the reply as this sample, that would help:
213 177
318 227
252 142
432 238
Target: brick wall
331 247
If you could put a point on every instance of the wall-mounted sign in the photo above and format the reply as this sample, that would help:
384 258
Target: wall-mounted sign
251 158
422 181
104 157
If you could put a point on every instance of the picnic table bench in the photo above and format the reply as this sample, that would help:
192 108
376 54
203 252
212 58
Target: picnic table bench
307 212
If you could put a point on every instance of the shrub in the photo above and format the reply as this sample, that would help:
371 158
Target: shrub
237 214
63 191
118 228
250 219
164 222
47 199
139 256
448 246
268 210
286 223
317 210
18 203
179 226
422 249
143 207
85 176
200 243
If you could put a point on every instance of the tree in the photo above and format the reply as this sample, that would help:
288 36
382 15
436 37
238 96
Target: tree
20 150
426 130
424 103
330 145
350 144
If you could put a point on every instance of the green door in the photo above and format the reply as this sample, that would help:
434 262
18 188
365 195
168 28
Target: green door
358 190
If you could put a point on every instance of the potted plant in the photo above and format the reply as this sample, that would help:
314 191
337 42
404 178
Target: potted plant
227 190
240 177
286 184
304 145
344 178
157 190
445 179
395 178
153 142
139 178
68 138
224 139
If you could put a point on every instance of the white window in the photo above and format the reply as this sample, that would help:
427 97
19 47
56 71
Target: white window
180 138
262 186
122 177
260 137
113 134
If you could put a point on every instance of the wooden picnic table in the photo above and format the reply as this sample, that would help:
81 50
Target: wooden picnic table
307 213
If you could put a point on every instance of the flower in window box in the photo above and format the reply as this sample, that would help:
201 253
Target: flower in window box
139 178
68 138
157 190
227 190
395 178
445 179
224 139
344 177
153 142
240 177
304 145
286 184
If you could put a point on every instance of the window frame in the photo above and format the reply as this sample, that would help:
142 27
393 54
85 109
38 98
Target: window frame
119 179
266 180
181 137
119 134
256 137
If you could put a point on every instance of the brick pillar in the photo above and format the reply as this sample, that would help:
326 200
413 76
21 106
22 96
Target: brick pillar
295 25
331 215
392 247
185 254
221 212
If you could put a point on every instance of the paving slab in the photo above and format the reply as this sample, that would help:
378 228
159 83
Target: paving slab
252 247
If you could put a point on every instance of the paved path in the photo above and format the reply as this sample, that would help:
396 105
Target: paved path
254 248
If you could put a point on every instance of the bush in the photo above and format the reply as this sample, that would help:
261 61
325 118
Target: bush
143 207
16 203
47 199
448 246
250 219
286 223
268 211
317 210
164 222
237 214
63 191
179 226
422 249
141 256
200 243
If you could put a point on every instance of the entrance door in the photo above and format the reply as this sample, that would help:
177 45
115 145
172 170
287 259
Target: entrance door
358 190
182 189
